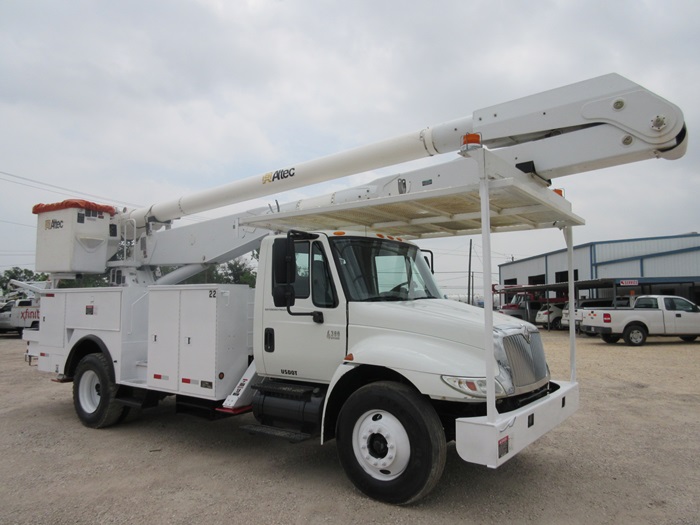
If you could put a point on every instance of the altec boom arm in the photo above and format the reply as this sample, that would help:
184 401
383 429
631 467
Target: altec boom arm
589 125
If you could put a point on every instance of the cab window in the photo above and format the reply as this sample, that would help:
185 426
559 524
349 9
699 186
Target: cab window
322 290
313 277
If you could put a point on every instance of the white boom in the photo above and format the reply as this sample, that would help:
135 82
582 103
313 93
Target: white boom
589 125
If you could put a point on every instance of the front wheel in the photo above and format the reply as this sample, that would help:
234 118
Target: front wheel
94 391
391 442
689 338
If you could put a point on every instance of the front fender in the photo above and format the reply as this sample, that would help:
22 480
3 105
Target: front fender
349 377
410 359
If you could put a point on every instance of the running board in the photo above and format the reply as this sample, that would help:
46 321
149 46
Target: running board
264 430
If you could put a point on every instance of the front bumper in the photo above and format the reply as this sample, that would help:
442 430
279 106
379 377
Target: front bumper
493 443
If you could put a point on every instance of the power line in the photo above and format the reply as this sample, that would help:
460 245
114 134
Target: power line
195 218
72 192
18 224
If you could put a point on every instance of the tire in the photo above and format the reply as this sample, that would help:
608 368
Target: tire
610 339
556 324
94 391
391 442
635 335
689 338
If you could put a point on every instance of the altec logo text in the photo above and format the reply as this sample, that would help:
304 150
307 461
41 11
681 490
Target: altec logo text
278 175
52 224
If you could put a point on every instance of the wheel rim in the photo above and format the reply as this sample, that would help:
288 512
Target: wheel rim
636 336
381 445
89 391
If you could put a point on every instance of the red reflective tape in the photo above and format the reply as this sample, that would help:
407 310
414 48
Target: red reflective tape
43 354
74 203
157 376
186 380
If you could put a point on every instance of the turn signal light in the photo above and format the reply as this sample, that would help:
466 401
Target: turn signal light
471 139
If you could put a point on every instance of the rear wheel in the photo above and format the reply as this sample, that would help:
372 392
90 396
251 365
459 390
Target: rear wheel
635 335
94 391
391 442
611 339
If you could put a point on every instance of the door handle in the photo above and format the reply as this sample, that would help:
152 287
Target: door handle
269 339
679 315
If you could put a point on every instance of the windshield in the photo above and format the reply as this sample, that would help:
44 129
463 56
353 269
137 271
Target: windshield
382 270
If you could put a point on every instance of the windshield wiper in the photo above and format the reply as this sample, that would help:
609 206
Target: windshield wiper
385 298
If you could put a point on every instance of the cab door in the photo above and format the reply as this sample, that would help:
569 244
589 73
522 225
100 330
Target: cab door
297 345
682 317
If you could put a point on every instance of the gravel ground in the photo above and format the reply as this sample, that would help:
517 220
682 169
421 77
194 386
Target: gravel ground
630 455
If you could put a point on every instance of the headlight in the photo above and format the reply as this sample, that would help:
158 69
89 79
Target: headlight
472 386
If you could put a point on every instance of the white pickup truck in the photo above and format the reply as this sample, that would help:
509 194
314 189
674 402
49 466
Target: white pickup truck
662 315
19 314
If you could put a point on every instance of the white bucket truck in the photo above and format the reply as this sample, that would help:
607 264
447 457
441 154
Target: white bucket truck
346 335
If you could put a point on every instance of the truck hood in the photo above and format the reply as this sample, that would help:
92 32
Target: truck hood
437 318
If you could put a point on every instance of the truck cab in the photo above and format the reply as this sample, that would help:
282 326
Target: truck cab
336 277
523 305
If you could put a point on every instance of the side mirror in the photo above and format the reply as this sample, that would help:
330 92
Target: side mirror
284 261
283 295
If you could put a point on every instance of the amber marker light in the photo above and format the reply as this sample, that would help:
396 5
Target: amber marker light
471 139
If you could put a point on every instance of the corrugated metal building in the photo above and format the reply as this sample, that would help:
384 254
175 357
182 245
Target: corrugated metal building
667 265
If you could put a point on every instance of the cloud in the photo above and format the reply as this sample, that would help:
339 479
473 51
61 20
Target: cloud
142 101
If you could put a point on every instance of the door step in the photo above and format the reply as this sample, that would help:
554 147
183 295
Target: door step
141 399
287 390
264 430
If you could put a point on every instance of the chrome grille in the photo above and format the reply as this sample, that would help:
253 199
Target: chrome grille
526 359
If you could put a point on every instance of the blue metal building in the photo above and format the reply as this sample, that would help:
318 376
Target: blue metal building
666 265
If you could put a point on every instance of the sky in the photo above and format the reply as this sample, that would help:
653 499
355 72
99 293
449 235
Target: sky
132 102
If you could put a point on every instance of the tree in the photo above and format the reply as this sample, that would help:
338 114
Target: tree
237 271
19 274
85 281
